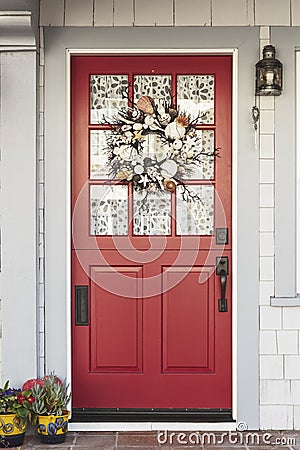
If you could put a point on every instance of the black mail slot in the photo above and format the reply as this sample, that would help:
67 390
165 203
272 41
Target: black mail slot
82 305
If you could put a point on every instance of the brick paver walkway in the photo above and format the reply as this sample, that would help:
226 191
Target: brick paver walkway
276 440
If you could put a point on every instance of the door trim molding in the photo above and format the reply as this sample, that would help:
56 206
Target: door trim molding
214 52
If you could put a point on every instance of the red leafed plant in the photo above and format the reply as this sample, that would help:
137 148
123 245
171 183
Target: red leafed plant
50 394
30 383
16 401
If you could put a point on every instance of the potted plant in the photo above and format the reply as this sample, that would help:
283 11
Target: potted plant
15 409
51 398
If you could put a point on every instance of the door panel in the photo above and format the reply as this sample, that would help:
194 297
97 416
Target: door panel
155 337
188 322
116 323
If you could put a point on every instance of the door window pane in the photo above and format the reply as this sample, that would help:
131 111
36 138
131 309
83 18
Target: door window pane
106 96
156 86
99 169
195 96
205 169
195 216
109 210
152 213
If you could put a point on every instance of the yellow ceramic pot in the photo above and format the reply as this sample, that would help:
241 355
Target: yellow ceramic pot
12 431
53 429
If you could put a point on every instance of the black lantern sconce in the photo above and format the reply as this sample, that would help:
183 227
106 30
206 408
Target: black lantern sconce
268 81
268 73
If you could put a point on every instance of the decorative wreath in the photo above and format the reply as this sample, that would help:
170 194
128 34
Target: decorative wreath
174 158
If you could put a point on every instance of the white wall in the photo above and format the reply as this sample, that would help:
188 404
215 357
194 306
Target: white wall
280 317
18 214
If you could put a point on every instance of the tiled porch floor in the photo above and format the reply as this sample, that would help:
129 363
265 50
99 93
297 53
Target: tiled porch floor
148 440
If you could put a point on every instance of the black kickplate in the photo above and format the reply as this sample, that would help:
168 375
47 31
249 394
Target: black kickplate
152 415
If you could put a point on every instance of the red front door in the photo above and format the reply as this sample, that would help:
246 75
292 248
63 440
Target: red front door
148 330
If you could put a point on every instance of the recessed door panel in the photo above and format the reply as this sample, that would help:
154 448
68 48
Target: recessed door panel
188 321
116 322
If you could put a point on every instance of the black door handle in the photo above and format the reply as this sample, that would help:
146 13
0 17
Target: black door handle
223 281
222 303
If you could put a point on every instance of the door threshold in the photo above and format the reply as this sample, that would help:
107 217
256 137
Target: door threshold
150 426
193 415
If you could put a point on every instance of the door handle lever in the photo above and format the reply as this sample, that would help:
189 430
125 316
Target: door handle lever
222 303
223 281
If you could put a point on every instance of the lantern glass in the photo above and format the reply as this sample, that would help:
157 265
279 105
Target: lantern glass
268 73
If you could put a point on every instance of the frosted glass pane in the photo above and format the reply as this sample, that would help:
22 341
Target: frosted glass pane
106 96
195 96
195 217
109 210
156 86
205 170
98 155
152 213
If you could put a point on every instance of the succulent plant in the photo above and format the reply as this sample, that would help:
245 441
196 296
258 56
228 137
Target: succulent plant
51 396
